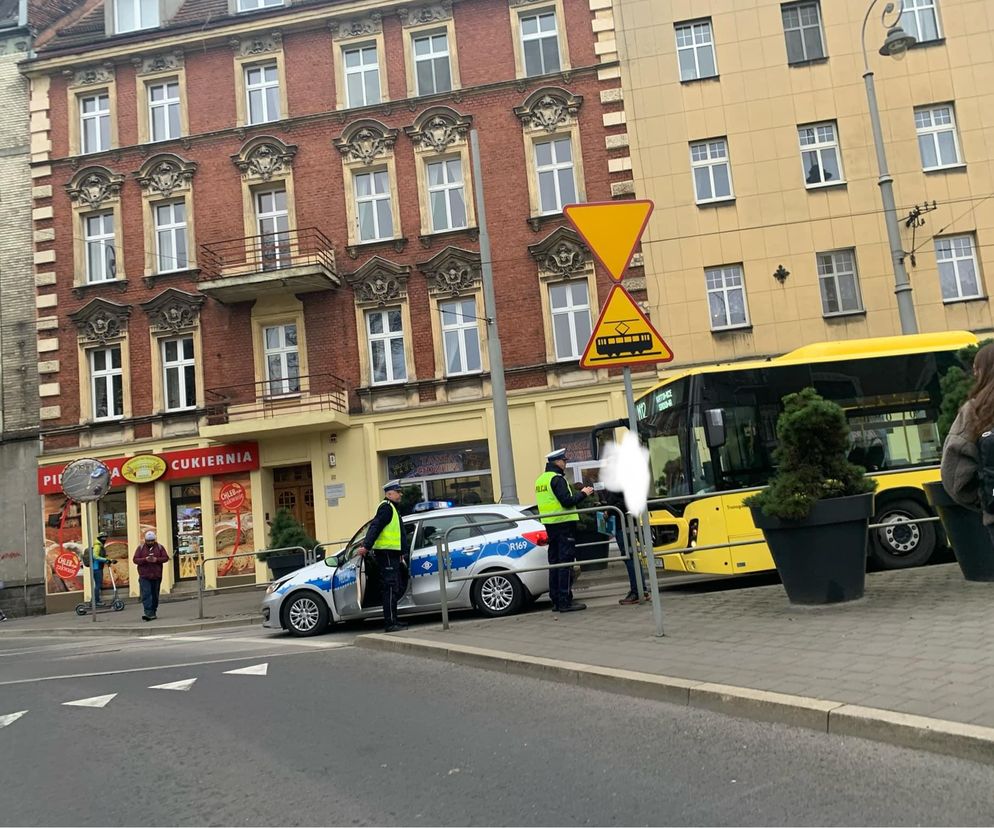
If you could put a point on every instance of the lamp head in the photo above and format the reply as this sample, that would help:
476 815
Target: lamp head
897 43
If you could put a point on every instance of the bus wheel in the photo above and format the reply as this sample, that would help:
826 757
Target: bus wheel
902 545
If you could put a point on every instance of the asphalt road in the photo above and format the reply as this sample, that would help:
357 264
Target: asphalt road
333 735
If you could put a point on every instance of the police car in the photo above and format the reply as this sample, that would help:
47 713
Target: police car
482 539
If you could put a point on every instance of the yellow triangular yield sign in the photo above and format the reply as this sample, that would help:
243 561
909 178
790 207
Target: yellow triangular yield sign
611 230
623 335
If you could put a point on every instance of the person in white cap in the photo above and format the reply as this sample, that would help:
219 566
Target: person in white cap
388 540
553 494
149 557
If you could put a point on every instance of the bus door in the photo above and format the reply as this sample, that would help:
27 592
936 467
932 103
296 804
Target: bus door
705 516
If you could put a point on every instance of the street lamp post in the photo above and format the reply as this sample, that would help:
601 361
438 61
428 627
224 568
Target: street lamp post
896 44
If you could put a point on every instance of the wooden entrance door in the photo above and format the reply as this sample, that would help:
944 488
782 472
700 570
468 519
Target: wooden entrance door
294 492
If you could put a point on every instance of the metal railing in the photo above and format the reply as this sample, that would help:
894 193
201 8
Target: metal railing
267 252
269 398
200 572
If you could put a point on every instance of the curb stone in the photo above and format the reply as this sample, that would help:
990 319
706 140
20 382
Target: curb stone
964 741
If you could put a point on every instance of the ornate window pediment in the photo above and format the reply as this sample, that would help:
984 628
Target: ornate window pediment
258 44
452 271
173 311
549 108
421 15
90 75
379 282
357 27
165 174
365 140
561 255
263 157
166 62
93 186
438 128
100 321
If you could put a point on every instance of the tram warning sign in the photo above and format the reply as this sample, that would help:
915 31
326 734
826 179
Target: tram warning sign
623 335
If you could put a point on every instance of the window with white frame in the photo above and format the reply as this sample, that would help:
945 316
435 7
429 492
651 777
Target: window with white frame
170 237
98 241
839 282
385 333
431 63
282 360
921 19
446 195
262 92
362 76
179 374
556 179
695 50
94 122
460 337
374 214
570 306
540 43
273 222
937 139
255 5
821 161
107 383
726 297
163 110
959 276
802 31
712 173
132 15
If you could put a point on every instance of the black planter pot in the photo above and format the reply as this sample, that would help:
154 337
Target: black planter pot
966 533
600 548
283 565
822 559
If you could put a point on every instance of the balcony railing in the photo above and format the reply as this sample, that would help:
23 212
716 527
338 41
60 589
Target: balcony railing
277 397
267 253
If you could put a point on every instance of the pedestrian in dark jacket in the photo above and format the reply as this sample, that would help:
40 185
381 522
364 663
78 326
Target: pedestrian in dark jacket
388 541
149 557
617 499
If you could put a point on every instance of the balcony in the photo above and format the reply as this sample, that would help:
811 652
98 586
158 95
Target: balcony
296 404
291 261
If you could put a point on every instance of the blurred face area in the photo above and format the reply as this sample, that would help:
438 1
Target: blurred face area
560 463
983 366
393 495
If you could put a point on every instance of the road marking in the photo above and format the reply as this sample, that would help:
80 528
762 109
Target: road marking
185 684
94 701
176 637
10 718
317 645
254 670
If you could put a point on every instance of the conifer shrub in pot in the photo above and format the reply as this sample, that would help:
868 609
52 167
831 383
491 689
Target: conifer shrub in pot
285 532
816 509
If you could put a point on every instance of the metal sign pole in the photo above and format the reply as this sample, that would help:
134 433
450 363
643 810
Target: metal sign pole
657 601
91 531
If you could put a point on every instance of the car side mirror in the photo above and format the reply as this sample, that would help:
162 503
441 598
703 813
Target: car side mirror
714 427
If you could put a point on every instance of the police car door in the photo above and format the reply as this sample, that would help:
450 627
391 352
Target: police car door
349 580
465 540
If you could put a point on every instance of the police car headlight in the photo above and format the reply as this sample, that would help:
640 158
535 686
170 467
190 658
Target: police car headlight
275 585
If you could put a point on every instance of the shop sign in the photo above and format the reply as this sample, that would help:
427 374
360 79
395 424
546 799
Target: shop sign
232 496
426 464
67 565
144 468
577 445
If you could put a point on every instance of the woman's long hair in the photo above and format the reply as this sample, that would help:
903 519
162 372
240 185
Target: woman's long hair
982 395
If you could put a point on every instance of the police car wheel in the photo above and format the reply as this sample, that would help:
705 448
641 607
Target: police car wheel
305 614
499 594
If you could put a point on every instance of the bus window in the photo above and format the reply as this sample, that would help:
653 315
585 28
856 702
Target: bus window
663 428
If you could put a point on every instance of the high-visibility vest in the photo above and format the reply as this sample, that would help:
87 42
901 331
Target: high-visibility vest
548 503
389 537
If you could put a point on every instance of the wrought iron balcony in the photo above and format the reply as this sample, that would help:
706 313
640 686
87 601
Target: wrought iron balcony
278 398
290 261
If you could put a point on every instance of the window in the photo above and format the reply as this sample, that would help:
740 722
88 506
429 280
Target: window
98 239
839 282
726 297
262 88
921 19
179 373
445 194
255 5
460 336
362 76
170 237
385 330
958 274
540 43
131 15
802 30
282 360
94 122
107 383
431 64
820 159
937 141
695 50
273 221
372 196
712 175
554 166
570 319
163 110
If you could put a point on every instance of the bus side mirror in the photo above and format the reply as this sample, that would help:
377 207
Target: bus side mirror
714 427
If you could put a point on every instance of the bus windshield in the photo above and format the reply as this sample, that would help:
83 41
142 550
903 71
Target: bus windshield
662 423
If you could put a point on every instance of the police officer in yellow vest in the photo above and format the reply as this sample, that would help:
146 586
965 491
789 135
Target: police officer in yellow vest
553 494
388 540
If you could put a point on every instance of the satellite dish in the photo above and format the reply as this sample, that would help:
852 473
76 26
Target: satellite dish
85 480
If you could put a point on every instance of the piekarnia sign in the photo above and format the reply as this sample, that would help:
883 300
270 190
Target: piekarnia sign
189 463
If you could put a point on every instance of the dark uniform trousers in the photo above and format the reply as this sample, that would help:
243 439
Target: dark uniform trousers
562 549
391 576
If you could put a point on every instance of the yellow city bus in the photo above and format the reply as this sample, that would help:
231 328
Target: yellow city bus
889 389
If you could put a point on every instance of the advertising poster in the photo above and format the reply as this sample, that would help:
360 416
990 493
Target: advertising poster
61 535
233 529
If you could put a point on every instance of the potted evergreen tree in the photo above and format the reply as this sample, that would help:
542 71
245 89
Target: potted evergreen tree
815 511
285 532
